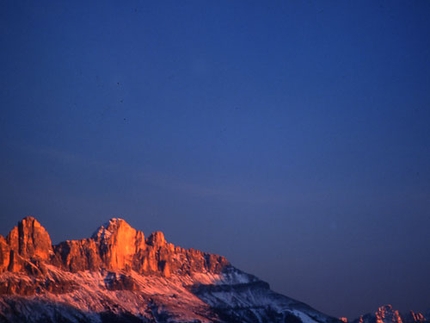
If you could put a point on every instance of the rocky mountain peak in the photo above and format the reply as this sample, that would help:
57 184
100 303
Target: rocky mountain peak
28 240
118 243
107 229
113 246
117 275
386 314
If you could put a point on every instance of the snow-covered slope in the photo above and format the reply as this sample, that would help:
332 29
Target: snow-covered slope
119 276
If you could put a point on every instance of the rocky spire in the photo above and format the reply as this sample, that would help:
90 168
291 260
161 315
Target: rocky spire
4 254
27 241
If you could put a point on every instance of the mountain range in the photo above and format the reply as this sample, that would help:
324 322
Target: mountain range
119 275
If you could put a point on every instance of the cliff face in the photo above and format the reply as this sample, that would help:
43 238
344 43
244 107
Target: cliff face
118 244
114 246
26 243
122 247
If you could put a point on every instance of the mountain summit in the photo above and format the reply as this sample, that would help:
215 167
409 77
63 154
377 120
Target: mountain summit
118 275
387 314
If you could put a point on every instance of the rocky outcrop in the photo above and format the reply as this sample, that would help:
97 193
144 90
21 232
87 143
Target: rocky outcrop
386 314
77 255
413 317
4 254
113 246
30 240
26 244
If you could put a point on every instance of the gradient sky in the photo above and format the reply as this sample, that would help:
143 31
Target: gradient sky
292 137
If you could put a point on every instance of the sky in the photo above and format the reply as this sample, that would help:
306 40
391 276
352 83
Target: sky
291 137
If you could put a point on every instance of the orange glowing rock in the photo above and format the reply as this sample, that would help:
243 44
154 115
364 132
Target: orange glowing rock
114 246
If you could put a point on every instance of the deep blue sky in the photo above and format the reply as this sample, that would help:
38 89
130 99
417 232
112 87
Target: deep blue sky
291 137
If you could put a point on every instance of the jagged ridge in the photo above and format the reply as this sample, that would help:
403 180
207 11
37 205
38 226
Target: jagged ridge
386 314
118 275
114 246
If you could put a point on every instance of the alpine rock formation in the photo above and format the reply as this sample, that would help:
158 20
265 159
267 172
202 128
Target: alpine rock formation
386 314
118 275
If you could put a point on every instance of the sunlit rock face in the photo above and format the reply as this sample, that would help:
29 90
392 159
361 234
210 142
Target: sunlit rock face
386 314
27 242
122 247
118 243
30 239
77 255
114 246
4 254
117 275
